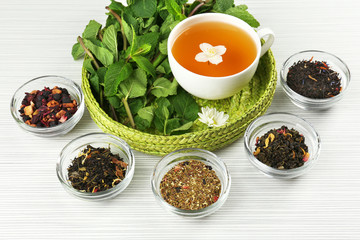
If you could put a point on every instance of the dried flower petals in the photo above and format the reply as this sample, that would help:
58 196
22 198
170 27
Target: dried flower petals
48 107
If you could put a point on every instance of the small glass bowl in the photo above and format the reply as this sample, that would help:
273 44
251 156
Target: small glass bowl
38 84
334 63
263 124
72 149
174 158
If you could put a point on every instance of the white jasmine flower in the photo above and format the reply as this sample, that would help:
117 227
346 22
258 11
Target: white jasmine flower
212 117
210 53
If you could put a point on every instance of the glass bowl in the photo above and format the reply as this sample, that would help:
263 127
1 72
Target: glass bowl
73 148
38 84
263 124
174 158
335 63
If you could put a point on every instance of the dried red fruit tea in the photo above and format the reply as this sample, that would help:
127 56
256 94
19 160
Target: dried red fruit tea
48 107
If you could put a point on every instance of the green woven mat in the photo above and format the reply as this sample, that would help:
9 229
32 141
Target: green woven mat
242 108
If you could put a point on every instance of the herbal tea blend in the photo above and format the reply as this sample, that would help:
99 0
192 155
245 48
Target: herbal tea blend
282 148
190 185
313 79
96 169
48 107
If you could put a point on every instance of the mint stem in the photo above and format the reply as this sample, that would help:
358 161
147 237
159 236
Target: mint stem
158 59
96 65
88 52
114 113
195 9
128 111
121 27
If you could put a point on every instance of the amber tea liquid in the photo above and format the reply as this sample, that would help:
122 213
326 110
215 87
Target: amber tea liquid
240 48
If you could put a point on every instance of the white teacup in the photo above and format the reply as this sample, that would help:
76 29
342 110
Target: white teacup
217 87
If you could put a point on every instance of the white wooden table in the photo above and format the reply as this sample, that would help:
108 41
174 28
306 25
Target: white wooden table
36 39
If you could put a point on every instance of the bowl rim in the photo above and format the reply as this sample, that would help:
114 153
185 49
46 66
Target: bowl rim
285 172
67 124
102 194
300 98
193 213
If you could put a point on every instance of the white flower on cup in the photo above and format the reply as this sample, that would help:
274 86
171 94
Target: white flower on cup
210 53
212 117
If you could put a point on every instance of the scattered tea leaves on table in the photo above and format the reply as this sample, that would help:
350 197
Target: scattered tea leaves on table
127 64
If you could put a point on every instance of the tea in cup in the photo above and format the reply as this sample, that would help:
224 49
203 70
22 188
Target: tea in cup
214 55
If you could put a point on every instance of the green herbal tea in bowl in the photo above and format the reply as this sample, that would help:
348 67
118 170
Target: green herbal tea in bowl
214 49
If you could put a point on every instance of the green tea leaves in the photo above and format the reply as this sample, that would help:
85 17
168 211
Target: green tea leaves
141 50
163 46
77 51
101 53
135 85
174 9
110 40
241 12
91 30
145 64
116 73
147 113
185 105
223 5
167 26
162 87
143 8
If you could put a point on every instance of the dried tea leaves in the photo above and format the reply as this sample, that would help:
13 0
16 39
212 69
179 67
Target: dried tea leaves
190 185
96 169
48 107
313 79
282 148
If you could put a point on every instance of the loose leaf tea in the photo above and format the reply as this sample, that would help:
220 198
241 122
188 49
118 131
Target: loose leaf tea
96 169
282 148
313 79
190 185
48 107
128 67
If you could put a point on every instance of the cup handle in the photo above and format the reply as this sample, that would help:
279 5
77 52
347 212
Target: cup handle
268 42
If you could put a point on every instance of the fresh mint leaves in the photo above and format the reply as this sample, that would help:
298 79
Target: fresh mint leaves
127 63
